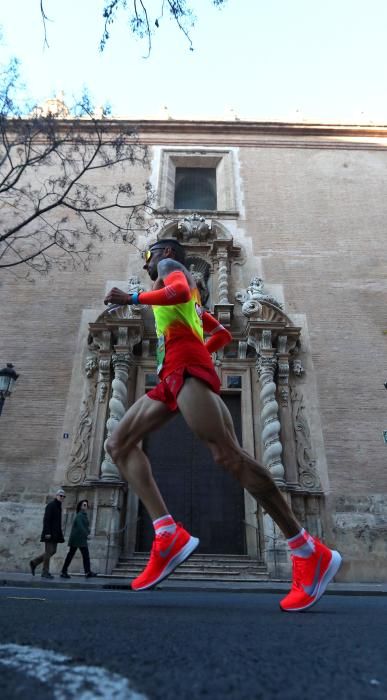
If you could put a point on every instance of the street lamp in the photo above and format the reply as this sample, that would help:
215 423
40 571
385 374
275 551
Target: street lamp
8 378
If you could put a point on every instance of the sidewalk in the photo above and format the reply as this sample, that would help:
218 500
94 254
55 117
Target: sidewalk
78 581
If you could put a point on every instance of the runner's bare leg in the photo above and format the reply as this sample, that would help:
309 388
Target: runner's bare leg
142 417
209 418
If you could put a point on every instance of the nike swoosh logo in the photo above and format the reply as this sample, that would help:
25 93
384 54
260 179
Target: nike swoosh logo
310 590
168 549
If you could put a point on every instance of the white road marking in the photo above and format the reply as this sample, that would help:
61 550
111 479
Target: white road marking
23 597
66 680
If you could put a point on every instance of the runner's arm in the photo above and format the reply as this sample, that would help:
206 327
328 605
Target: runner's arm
175 291
219 335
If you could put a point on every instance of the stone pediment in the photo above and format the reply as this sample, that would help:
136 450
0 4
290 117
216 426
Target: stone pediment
195 229
113 315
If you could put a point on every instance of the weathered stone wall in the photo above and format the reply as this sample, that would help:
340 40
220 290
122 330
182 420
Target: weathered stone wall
312 219
360 531
318 223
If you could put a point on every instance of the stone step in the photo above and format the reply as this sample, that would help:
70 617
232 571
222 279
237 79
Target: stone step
202 558
214 573
181 576
200 562
199 555
200 567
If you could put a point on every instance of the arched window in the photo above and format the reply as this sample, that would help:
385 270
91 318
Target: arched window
195 188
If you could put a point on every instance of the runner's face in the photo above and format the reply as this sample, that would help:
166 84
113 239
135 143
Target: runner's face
152 258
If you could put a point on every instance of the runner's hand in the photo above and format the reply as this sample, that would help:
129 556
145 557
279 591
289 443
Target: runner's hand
117 296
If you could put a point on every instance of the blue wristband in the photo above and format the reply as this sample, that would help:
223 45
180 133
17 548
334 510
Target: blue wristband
135 298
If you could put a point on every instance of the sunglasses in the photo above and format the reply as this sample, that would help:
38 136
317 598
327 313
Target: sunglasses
148 253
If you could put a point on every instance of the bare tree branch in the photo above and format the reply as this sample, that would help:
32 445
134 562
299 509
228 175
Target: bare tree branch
45 19
141 24
56 207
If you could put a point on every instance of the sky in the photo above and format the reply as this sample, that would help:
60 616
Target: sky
261 60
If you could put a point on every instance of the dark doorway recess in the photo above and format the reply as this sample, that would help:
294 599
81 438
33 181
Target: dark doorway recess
208 501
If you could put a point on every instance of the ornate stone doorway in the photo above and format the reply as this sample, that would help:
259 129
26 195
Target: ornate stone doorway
275 395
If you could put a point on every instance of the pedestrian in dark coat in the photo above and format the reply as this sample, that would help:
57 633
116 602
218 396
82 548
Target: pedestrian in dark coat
51 535
79 534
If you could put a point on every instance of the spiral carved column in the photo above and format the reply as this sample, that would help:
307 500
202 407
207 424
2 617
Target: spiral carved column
271 427
223 279
117 407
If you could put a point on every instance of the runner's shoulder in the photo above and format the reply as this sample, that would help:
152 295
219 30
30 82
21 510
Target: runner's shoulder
168 265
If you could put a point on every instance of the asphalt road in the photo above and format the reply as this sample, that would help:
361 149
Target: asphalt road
166 645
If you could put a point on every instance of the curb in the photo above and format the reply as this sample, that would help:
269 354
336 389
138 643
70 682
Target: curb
107 584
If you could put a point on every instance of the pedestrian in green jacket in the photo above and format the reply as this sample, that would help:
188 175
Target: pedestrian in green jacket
79 534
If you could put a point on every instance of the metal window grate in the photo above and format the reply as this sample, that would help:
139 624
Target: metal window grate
195 188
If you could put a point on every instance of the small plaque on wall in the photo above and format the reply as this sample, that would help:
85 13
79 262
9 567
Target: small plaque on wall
234 381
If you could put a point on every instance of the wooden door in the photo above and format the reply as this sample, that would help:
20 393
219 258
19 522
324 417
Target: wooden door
208 501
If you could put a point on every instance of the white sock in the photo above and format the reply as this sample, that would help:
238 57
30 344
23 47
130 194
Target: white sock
302 545
164 524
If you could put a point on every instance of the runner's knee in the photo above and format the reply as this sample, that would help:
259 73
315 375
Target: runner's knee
230 459
116 448
246 469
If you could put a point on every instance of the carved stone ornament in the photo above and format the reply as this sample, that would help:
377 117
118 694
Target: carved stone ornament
115 313
283 370
194 227
91 365
297 367
200 270
103 387
306 461
76 471
134 285
283 379
252 298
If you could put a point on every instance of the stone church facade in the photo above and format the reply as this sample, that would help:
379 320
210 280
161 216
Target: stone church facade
289 254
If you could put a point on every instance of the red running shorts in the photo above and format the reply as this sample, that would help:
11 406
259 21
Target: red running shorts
169 387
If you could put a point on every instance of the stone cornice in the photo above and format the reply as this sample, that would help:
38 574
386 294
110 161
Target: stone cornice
258 128
199 134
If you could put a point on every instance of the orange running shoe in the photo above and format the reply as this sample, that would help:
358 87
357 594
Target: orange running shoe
311 577
168 551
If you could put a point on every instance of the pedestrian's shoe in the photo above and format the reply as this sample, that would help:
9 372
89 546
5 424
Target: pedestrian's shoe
91 574
46 574
168 551
311 577
32 567
64 574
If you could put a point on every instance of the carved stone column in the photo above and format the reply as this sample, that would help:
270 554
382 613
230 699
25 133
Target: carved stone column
222 277
128 333
285 413
266 365
117 407
222 308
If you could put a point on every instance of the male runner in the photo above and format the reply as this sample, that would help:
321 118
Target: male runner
189 384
